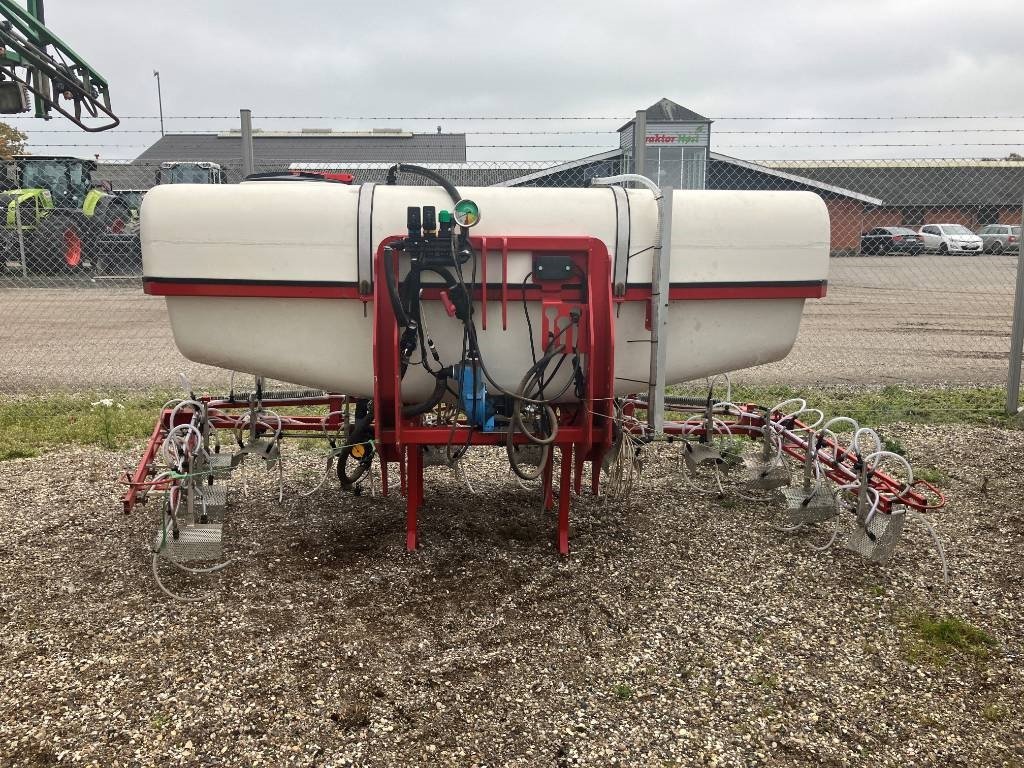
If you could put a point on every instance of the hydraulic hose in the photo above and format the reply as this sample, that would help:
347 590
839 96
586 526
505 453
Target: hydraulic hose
391 279
426 173
440 388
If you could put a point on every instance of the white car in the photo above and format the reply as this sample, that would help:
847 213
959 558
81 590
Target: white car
950 238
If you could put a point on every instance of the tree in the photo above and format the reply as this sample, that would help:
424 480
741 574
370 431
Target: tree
12 141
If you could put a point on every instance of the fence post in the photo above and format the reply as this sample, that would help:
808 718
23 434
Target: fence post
21 240
1017 334
248 160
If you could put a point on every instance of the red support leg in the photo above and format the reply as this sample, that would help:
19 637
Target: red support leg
383 477
548 480
401 470
564 498
577 471
414 490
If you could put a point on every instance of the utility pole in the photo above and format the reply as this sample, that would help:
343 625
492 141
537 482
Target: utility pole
160 101
248 155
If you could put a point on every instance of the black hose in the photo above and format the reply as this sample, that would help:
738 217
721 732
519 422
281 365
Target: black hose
440 389
361 434
390 279
426 173
511 448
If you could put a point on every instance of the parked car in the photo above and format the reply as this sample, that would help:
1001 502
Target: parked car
950 238
997 238
882 240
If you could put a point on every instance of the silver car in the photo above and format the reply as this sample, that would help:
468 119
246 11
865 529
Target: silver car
950 238
999 238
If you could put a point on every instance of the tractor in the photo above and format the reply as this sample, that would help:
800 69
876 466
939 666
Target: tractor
190 172
64 221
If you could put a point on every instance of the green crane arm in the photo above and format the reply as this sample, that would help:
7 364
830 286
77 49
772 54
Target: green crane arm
35 59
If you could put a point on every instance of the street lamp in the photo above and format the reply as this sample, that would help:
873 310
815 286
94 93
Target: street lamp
160 101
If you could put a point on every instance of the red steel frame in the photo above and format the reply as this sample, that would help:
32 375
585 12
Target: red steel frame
585 427
139 483
840 464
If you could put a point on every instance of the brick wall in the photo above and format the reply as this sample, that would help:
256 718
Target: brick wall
847 220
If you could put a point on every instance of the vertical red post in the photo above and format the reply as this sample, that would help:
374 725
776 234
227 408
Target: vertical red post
483 278
414 491
504 283
564 499
401 471
548 480
577 470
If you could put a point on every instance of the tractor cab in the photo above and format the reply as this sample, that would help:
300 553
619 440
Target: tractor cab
68 180
56 218
190 172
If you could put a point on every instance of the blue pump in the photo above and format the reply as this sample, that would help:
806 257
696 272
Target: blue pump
473 398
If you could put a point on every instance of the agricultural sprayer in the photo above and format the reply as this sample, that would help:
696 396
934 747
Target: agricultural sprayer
428 321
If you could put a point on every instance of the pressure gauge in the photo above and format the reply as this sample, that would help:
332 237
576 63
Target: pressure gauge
466 213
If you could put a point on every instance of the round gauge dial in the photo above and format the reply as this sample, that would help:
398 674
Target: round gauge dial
466 213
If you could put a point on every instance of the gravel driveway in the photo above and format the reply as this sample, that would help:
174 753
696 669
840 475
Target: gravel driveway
683 630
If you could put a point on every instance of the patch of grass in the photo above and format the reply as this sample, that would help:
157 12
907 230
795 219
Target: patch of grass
16 452
926 719
874 407
939 638
876 590
993 713
31 425
767 681
623 691
931 475
893 445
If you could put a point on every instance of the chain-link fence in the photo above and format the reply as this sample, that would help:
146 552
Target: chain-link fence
920 290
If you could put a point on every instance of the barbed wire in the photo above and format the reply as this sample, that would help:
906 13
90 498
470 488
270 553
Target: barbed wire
552 118
257 132
604 146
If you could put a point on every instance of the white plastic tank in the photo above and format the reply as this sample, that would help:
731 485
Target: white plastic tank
260 277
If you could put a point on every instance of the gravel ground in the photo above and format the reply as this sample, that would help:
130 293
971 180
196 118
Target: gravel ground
683 630
921 320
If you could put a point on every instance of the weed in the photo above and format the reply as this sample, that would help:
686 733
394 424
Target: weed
939 638
931 475
893 445
993 713
767 681
876 590
927 719
623 691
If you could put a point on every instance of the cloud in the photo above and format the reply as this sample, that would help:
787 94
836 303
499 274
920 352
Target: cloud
400 59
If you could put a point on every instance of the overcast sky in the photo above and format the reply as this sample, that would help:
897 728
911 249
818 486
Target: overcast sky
393 60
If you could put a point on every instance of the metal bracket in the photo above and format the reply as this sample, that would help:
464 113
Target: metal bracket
364 238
